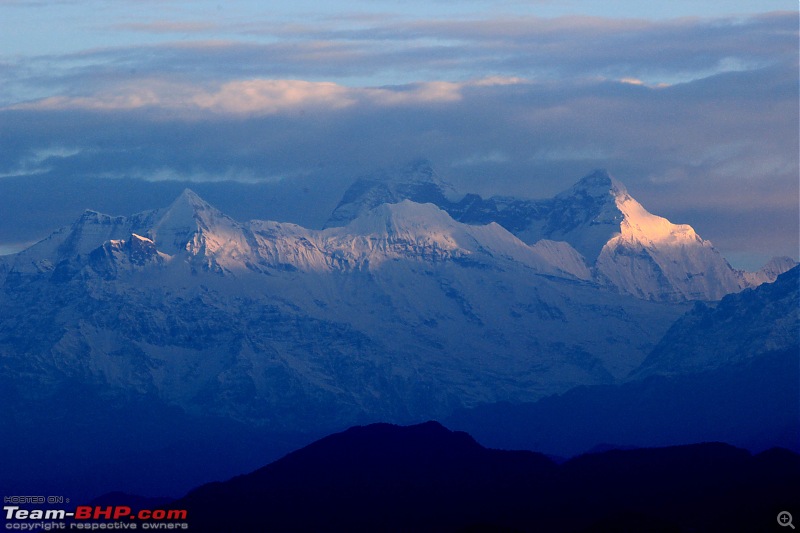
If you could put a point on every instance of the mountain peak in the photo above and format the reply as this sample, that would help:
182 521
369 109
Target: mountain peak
421 169
587 215
417 171
417 181
596 185
186 216
191 198
417 177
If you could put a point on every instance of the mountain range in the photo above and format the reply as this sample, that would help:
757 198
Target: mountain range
274 323
412 304
596 227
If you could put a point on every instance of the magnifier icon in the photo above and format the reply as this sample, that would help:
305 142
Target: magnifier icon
785 519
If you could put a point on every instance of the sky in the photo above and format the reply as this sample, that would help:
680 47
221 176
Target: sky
692 105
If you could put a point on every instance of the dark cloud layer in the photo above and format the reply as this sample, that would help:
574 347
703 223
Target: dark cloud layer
415 50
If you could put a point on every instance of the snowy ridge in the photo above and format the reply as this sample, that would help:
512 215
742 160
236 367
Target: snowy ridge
564 257
408 229
207 239
594 231
608 237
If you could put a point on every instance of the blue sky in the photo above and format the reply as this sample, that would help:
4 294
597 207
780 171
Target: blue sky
693 105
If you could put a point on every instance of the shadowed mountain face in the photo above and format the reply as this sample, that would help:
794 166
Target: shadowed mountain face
753 405
726 372
738 329
427 478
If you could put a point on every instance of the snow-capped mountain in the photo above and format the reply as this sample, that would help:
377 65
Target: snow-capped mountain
650 257
614 240
402 314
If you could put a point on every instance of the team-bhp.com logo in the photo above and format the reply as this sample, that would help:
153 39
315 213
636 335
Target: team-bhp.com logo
94 518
